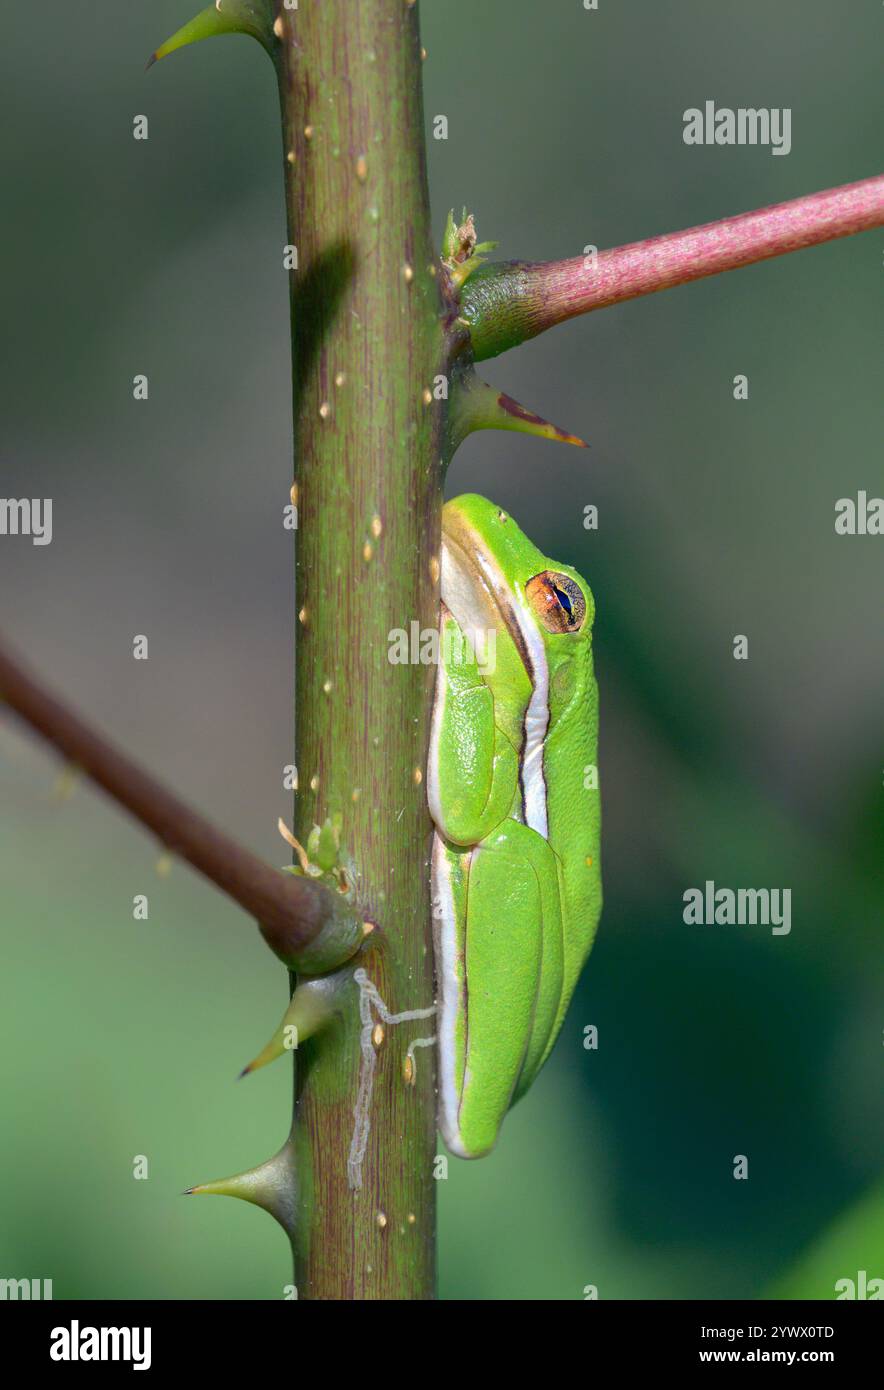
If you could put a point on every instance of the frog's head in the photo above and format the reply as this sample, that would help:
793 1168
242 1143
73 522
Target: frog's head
496 581
491 568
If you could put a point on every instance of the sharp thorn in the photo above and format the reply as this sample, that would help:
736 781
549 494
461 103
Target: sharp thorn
311 1007
272 1185
530 423
224 17
478 406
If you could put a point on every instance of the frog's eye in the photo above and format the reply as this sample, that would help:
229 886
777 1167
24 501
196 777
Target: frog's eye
557 601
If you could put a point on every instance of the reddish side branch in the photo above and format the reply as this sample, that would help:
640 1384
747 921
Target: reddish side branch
508 303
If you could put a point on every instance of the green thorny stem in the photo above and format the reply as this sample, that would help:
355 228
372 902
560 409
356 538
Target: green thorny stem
384 339
367 346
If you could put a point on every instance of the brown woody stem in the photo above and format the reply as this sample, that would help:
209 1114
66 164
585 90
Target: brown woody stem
300 919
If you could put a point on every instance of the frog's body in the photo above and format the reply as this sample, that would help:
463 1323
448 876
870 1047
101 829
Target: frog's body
512 791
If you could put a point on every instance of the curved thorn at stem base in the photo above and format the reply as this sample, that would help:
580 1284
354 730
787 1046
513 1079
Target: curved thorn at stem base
252 17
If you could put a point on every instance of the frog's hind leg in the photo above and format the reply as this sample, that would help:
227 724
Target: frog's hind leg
450 875
489 943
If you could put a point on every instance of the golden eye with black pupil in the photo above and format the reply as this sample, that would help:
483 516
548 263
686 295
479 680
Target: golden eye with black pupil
557 601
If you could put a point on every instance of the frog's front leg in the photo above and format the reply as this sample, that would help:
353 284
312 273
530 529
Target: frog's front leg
473 769
499 948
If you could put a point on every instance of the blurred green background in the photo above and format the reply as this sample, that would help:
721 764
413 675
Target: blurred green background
716 517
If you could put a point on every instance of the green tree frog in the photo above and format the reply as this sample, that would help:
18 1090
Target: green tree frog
513 791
